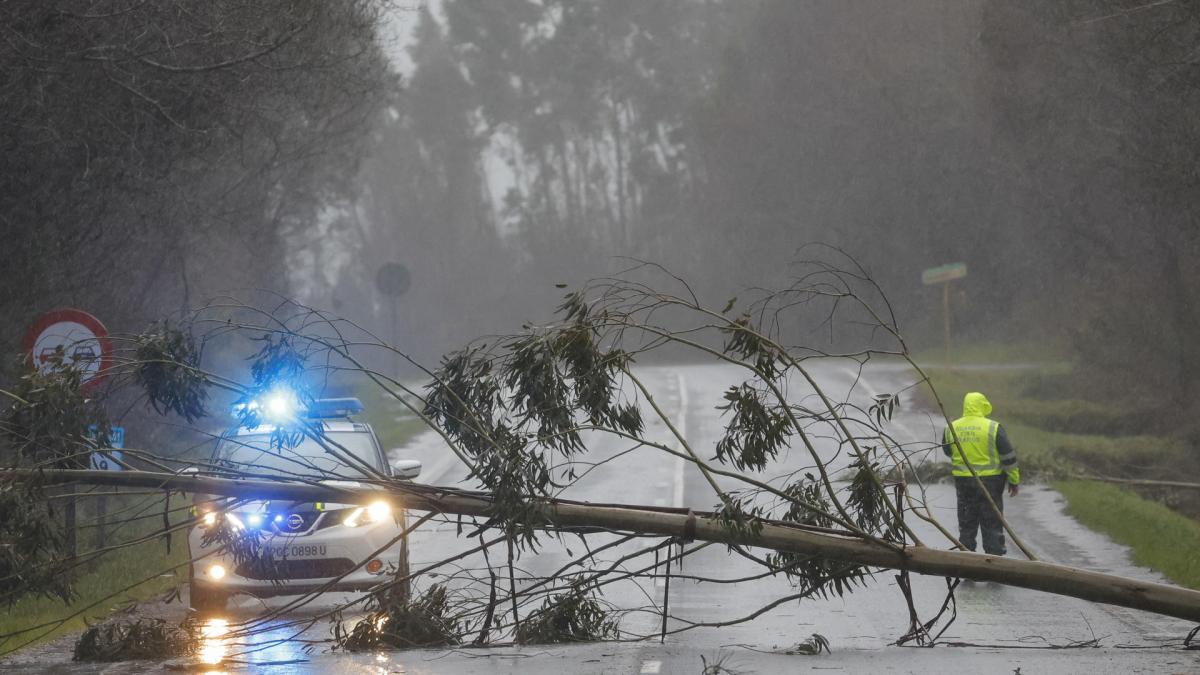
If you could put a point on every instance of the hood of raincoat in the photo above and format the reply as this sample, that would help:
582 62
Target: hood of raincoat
976 404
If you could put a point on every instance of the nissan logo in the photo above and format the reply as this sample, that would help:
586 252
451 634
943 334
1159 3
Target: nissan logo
295 521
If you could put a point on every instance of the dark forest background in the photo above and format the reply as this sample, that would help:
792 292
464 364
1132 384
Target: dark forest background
156 155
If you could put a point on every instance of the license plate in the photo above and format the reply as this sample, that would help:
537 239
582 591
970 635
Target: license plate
298 551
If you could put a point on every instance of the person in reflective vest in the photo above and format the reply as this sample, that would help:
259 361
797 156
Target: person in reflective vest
983 444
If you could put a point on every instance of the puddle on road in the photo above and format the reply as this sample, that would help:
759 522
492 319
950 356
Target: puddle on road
228 647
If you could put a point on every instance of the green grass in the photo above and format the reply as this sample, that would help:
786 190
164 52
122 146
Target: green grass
976 353
109 576
394 424
1062 435
1157 536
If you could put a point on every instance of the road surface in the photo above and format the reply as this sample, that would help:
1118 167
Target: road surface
998 629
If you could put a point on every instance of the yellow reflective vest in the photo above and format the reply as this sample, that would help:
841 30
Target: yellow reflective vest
977 442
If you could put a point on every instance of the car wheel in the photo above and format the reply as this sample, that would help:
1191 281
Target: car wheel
206 600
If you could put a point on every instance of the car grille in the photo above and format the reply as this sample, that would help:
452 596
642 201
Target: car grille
289 526
321 568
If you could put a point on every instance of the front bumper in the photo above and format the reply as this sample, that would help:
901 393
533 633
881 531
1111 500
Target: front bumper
331 559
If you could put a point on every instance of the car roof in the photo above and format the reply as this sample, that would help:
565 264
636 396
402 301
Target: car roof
354 427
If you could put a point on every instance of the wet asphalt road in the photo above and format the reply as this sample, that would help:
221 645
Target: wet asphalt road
998 629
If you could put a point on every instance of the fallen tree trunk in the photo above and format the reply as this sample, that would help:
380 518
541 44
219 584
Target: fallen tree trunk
1059 579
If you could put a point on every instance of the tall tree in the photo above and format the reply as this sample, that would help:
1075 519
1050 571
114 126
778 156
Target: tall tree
157 152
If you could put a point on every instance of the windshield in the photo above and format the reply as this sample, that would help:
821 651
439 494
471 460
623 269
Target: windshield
255 454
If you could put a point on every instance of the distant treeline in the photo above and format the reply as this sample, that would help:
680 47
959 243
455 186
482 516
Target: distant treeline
1046 145
269 145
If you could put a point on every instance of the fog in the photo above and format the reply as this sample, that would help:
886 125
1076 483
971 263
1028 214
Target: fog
302 214
500 150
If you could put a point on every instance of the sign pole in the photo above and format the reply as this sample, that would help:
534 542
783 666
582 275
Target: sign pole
69 521
70 338
101 521
393 281
395 336
944 275
946 318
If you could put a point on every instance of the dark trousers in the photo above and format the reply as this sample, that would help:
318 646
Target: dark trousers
974 513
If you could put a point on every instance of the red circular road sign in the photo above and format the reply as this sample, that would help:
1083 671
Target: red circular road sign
81 337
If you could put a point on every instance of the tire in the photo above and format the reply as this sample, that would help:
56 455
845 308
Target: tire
206 600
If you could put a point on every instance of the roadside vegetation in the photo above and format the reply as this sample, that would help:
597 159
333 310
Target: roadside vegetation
112 582
1065 433
394 424
1159 537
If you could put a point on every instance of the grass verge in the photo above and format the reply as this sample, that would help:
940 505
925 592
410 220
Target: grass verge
393 423
1058 437
110 576
1157 536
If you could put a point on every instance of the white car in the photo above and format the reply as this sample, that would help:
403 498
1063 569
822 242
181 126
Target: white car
334 547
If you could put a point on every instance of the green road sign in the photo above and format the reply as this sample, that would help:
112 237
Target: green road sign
940 275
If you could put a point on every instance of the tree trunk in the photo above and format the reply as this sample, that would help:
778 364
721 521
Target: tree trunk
653 521
619 149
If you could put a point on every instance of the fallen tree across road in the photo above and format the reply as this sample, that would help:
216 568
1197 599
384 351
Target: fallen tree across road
658 521
802 467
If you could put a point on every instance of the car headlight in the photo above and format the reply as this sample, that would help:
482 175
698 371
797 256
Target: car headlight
375 512
209 519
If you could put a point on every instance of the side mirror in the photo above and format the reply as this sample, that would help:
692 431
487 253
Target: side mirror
406 468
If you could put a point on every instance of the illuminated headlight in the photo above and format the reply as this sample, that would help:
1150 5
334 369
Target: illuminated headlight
209 519
254 520
216 572
375 512
378 511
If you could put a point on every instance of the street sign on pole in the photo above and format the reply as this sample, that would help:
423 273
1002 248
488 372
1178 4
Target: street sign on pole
74 339
943 275
393 280
78 337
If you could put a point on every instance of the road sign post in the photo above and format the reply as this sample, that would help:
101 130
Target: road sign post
944 275
393 280
109 458
70 338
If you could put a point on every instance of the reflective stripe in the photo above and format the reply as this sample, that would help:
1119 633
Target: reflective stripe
993 428
977 446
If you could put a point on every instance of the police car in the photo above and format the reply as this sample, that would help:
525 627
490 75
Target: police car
299 547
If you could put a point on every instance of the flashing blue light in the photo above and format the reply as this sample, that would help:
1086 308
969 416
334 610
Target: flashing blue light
254 520
279 518
279 405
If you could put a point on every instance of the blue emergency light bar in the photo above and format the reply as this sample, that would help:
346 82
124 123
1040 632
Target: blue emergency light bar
325 408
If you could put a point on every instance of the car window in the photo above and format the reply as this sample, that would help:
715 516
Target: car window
255 453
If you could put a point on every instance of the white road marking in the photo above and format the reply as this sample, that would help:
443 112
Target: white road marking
651 667
681 427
